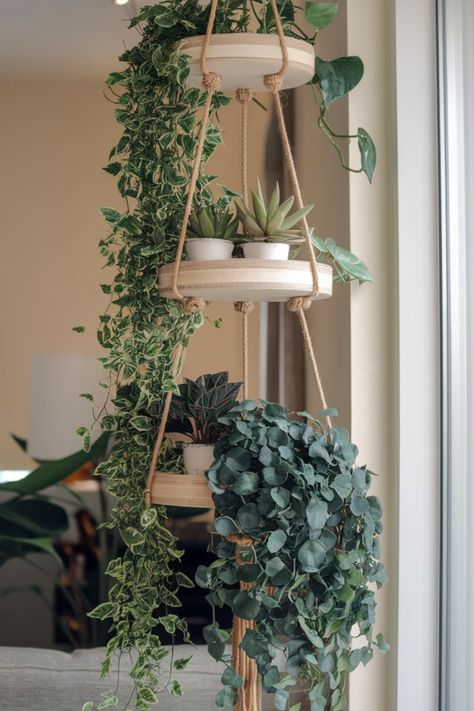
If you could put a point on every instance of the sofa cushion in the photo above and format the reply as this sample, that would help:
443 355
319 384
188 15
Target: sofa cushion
48 680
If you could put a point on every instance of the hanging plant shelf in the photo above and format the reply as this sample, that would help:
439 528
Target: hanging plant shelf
243 59
184 490
245 280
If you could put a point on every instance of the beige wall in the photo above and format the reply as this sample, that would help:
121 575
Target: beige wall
55 138
373 318
354 333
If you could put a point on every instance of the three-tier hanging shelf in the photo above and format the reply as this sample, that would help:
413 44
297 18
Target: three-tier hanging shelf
295 532
241 64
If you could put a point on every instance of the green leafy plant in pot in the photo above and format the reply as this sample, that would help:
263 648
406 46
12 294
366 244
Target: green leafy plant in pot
196 412
294 497
211 233
269 229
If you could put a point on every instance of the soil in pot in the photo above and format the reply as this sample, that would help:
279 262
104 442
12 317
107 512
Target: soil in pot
198 458
208 249
266 250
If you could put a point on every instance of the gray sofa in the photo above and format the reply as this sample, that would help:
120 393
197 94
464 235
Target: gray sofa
48 680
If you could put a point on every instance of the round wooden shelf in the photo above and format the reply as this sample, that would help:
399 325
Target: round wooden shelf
183 490
245 280
243 59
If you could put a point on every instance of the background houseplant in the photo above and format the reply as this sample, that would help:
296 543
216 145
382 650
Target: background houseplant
141 331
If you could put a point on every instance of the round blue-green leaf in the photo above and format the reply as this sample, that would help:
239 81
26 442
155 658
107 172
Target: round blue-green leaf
225 525
311 555
248 517
245 483
359 505
245 606
276 540
316 513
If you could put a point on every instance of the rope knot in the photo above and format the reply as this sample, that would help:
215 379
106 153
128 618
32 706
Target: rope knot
273 82
299 302
243 95
244 307
193 304
211 81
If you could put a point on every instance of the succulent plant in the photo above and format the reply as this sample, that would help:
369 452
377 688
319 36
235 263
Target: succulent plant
213 222
271 223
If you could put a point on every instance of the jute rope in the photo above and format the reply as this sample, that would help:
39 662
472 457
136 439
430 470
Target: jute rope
250 695
245 308
211 82
243 97
299 306
177 364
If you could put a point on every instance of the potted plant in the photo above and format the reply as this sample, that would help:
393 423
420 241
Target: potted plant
196 411
269 229
298 525
210 233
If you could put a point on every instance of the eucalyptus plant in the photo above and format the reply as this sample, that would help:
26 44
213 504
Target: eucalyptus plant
139 329
310 548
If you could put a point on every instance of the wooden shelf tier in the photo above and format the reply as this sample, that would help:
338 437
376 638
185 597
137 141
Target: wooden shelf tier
243 59
245 280
184 490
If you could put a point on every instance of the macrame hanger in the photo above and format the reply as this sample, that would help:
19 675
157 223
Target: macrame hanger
211 81
243 96
178 359
245 308
297 304
273 82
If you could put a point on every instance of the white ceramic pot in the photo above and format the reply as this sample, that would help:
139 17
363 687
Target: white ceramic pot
266 250
198 458
208 249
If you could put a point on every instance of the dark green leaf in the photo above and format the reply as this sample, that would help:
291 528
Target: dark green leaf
368 152
338 77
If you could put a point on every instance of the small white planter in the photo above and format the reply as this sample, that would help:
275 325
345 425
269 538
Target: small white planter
266 250
198 458
208 249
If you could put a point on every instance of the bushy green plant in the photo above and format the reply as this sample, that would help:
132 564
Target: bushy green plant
200 404
311 551
271 223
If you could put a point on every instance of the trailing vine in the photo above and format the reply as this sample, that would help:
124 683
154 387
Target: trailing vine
139 330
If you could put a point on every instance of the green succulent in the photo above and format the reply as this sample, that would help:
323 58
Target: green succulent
271 223
212 222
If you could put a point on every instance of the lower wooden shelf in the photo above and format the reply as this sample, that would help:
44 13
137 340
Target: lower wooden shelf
186 490
245 280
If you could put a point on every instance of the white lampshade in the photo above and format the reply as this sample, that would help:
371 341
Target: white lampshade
56 410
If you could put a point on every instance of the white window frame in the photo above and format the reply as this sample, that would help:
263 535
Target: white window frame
418 356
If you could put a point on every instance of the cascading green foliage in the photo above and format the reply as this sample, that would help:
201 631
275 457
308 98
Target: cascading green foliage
297 496
140 330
